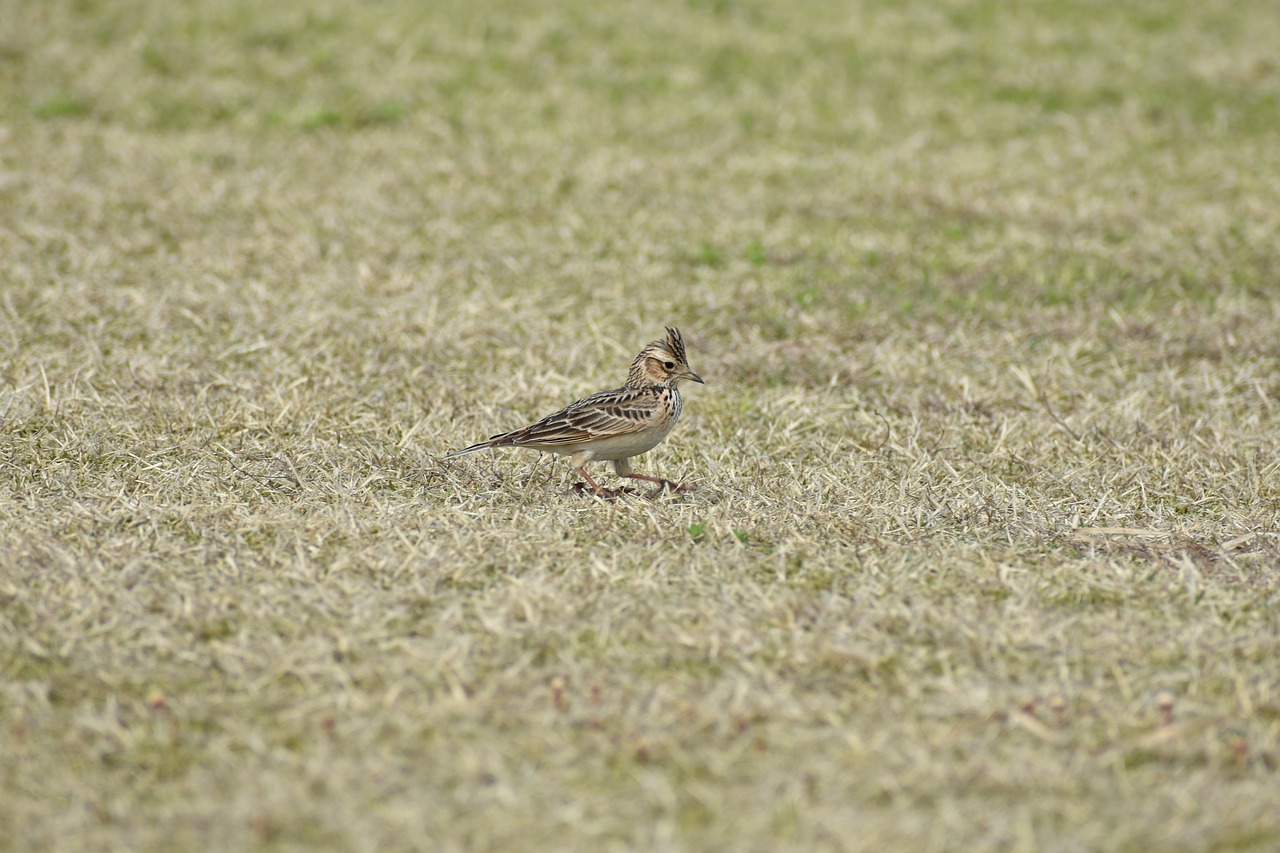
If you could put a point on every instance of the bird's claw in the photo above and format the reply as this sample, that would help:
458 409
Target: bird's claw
671 486
602 493
585 489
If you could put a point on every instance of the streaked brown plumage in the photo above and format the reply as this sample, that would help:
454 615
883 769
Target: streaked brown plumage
612 425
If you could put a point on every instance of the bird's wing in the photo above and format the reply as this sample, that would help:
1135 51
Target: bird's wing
608 413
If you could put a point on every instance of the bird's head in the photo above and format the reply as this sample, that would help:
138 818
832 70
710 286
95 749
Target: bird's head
662 363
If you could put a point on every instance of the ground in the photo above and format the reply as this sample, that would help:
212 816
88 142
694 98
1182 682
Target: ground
982 544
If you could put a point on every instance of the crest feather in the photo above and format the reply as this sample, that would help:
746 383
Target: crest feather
675 343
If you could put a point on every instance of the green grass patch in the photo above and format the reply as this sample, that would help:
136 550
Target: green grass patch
63 105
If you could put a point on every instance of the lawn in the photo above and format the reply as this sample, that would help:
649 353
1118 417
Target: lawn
982 545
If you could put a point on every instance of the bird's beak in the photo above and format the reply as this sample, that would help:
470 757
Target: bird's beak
695 377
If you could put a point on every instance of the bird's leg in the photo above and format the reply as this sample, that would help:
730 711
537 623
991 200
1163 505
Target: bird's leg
579 462
582 469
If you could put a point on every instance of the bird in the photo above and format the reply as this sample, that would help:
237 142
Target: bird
613 425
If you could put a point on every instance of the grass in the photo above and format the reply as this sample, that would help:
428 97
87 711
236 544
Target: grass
984 549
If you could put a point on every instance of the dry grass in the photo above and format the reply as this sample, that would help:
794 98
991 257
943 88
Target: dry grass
985 549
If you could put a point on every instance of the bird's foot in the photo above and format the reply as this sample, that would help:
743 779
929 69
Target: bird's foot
664 487
672 487
585 490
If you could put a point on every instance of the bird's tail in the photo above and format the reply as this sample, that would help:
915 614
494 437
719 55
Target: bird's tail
475 448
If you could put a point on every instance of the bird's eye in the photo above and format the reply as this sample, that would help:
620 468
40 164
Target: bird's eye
669 365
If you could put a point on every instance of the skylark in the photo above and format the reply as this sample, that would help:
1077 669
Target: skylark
613 425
